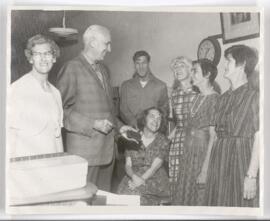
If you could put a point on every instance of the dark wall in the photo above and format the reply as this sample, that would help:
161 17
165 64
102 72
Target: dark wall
24 25
164 35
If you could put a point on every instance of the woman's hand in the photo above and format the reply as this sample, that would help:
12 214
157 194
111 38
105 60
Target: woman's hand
136 181
123 131
202 177
125 128
250 187
172 134
250 183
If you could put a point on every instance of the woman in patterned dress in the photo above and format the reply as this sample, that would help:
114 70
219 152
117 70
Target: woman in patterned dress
199 139
182 98
145 174
234 162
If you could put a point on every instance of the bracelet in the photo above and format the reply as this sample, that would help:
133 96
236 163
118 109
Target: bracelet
250 177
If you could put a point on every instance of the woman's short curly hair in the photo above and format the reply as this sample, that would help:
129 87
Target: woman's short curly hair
41 39
141 120
175 62
181 59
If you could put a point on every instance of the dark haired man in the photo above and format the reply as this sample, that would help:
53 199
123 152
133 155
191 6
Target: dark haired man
144 90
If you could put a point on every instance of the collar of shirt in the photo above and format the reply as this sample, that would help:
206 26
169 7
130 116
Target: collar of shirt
143 83
89 60
137 78
239 89
94 64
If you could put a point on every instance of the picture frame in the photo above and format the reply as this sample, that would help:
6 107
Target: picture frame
238 26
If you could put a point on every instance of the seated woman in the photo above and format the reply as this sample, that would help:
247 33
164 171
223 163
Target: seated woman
34 105
145 174
200 136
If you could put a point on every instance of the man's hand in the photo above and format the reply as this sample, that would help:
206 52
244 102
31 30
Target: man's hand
103 126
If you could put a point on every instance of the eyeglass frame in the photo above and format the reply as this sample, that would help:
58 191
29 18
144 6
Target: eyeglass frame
45 54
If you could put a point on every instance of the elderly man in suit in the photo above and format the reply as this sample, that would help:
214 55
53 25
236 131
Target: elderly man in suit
89 117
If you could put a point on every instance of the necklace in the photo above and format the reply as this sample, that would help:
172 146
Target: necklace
193 111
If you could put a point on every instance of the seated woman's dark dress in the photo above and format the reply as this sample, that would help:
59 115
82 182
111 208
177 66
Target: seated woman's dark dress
156 188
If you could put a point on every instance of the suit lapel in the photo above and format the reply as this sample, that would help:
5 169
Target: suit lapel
91 71
107 86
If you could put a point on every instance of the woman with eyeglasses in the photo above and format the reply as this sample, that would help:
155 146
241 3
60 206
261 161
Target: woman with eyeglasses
34 105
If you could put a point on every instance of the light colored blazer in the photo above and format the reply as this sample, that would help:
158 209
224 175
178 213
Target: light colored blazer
84 101
34 118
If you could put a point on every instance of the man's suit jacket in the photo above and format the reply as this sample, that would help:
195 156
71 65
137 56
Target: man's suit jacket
85 100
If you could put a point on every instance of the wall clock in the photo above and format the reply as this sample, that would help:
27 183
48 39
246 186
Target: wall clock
209 48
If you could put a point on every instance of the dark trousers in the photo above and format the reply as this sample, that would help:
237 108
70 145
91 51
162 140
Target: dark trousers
101 176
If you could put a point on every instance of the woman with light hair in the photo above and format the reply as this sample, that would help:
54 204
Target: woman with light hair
34 105
182 98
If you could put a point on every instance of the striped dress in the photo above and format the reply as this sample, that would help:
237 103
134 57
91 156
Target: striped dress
237 120
189 193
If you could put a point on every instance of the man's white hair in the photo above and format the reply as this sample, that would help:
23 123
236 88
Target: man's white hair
92 32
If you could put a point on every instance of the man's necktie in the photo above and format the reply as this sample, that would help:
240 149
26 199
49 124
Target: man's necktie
98 73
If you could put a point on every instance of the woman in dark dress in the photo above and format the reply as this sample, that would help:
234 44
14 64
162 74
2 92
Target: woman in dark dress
145 174
199 137
234 162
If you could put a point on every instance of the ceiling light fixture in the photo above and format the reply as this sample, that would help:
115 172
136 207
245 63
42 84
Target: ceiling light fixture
63 31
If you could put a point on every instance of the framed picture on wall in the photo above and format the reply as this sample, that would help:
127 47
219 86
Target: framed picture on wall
239 26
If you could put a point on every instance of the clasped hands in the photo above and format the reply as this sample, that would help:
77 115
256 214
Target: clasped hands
135 182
